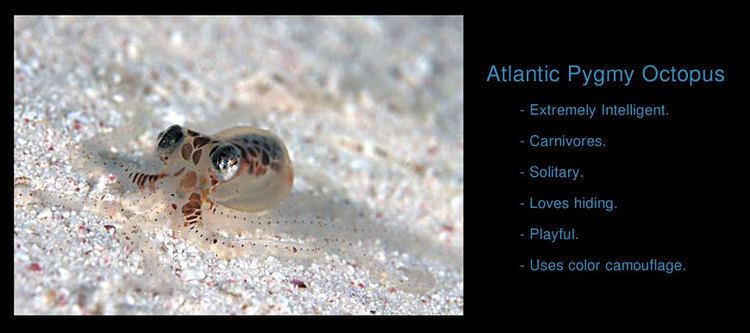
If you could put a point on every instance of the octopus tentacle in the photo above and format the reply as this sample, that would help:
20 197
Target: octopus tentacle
313 235
25 194
231 246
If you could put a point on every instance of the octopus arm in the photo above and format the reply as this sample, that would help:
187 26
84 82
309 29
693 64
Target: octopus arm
227 246
282 233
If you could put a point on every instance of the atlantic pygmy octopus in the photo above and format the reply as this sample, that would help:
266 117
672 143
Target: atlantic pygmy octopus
225 193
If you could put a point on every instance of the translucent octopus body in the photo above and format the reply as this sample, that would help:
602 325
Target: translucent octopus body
228 193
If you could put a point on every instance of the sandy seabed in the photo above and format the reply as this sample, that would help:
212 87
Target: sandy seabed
374 105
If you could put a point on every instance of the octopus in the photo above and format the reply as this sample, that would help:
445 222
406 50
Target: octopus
229 193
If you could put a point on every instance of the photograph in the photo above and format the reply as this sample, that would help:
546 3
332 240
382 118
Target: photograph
238 165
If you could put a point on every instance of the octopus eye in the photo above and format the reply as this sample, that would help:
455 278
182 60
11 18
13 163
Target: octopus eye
171 137
226 161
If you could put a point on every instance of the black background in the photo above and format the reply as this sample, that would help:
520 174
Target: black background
679 182
671 178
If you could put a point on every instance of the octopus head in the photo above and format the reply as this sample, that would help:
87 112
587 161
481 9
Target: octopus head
242 167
